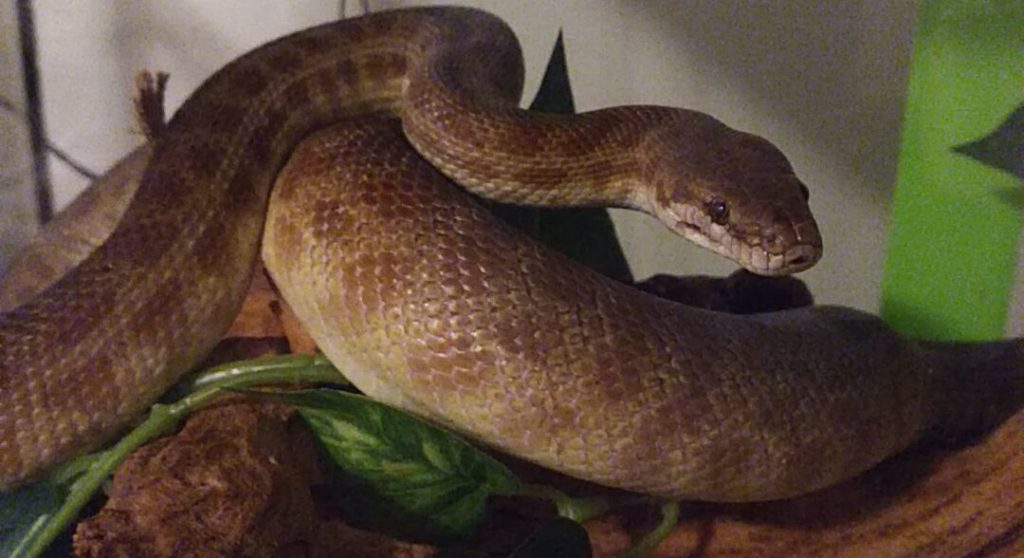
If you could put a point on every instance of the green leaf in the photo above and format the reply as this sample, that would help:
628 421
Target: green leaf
558 538
410 478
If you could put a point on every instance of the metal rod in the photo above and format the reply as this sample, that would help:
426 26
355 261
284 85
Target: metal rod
34 110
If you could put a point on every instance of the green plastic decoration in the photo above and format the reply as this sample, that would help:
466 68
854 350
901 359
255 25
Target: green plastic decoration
956 214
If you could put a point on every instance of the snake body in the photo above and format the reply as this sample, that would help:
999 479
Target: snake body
428 303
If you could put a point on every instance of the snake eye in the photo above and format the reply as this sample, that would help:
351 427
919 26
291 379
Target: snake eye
718 210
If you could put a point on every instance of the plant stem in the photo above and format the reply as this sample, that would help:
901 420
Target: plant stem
576 509
647 543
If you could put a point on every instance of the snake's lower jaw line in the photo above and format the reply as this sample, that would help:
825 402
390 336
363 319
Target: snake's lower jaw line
697 235
801 257
750 256
762 262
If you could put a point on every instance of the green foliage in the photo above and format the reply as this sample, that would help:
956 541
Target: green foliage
419 480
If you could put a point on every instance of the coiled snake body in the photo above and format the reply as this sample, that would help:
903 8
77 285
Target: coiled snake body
428 303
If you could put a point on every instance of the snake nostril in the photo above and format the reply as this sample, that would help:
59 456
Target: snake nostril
799 260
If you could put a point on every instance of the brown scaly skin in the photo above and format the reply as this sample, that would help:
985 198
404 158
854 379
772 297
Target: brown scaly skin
86 222
74 233
472 325
586 375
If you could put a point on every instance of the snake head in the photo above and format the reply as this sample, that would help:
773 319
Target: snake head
731 192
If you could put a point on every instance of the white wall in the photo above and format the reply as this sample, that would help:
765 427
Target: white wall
823 80
18 220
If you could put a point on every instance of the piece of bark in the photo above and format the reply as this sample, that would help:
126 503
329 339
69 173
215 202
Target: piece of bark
265 314
236 481
260 313
231 483
150 90
334 538
164 496
299 339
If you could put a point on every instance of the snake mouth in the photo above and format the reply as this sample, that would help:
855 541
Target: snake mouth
749 251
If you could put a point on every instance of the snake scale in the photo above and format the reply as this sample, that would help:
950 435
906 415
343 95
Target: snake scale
427 302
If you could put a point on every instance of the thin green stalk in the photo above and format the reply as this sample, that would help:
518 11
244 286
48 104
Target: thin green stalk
576 509
669 520
292 368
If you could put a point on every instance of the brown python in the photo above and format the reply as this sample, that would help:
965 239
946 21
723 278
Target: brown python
426 302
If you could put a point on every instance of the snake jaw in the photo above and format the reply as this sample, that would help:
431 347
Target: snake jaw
750 250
